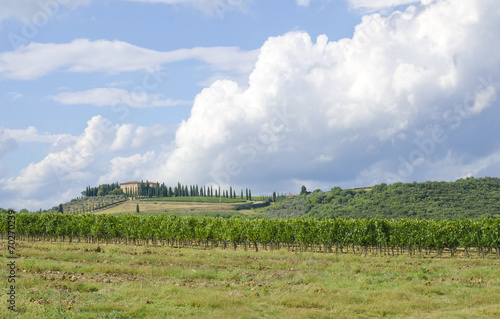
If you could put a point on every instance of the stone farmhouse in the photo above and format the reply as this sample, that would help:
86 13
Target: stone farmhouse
133 187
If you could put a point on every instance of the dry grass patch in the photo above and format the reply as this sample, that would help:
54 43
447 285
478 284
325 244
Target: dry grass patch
166 206
118 281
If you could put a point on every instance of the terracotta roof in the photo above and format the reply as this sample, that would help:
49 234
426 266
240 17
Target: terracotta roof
131 183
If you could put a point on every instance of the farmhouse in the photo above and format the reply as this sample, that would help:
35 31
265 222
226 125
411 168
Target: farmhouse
133 187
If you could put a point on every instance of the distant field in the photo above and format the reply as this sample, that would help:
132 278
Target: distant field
167 206
196 199
224 214
62 280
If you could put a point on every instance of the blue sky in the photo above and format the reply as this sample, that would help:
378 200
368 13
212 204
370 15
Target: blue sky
262 94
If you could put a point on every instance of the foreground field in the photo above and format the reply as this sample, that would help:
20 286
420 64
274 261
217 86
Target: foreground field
118 281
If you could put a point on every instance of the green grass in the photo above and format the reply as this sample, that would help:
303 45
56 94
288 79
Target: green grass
196 199
117 281
158 206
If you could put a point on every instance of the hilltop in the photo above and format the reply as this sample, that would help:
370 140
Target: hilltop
464 198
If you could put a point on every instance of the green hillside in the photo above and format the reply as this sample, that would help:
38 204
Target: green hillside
464 198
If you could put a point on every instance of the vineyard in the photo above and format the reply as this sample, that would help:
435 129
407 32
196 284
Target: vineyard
89 204
379 236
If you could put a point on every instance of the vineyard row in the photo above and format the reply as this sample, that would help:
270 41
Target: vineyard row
383 236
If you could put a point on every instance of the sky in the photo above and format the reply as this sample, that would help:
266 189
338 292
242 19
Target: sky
267 95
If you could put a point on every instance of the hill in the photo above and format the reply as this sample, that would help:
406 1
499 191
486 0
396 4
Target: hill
192 205
181 208
464 198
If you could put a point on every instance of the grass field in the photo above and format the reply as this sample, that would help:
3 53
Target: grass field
167 206
197 199
117 281
224 214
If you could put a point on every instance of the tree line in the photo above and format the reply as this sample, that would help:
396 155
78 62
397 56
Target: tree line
103 190
150 190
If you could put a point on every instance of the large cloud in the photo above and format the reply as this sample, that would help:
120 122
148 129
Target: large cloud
351 110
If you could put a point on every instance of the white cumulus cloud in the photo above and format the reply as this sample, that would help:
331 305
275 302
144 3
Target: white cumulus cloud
345 110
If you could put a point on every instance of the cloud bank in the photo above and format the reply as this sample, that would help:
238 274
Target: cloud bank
358 110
